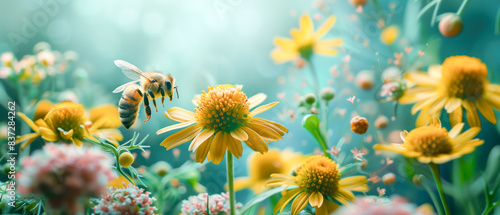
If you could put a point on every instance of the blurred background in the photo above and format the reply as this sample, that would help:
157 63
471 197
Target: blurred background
203 43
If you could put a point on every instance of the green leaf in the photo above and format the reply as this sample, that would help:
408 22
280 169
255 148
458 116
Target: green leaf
311 123
491 175
261 197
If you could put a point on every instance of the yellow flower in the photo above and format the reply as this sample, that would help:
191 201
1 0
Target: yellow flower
222 120
389 34
317 179
64 122
460 82
118 182
435 144
305 42
261 166
67 122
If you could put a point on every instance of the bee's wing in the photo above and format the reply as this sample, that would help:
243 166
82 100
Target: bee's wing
123 87
130 70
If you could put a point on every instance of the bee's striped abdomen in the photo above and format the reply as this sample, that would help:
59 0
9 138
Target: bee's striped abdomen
128 107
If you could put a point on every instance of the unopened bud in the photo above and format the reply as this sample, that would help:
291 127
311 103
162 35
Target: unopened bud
450 25
359 125
389 178
327 93
126 159
309 98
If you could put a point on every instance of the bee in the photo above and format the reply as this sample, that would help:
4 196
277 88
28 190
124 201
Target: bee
151 86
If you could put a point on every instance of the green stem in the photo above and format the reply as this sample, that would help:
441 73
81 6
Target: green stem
230 178
435 172
462 7
315 78
433 197
434 14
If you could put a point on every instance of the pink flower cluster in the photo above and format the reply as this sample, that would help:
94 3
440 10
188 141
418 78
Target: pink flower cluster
197 205
129 200
64 173
384 206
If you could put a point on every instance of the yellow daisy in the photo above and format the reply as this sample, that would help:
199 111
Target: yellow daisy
67 122
222 120
305 42
64 122
261 166
434 144
319 182
459 82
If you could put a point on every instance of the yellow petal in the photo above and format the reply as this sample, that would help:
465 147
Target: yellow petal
255 142
77 142
275 126
30 138
265 132
330 42
300 203
180 115
241 183
392 148
422 79
316 199
435 122
423 118
423 104
467 135
456 116
181 137
281 56
30 122
348 195
286 198
263 108
456 130
66 134
218 148
453 104
202 151
322 50
176 126
256 100
437 106
239 134
233 145
353 181
306 26
485 108
200 138
471 115
409 98
48 134
328 207
284 43
325 27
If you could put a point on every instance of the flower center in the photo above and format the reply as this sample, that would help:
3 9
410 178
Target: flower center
222 108
65 118
463 77
263 165
429 140
305 48
319 173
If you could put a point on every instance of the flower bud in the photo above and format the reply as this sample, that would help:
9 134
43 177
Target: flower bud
327 93
359 125
416 179
389 178
126 159
381 122
161 168
450 25
357 2
389 34
309 98
365 79
314 110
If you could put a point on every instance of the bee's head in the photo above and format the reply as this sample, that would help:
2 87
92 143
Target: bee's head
168 86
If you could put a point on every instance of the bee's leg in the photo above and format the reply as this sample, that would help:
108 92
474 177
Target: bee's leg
162 96
147 108
153 98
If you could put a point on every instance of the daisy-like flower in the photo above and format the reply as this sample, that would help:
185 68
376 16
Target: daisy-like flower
318 181
305 42
434 144
261 166
67 122
460 82
222 120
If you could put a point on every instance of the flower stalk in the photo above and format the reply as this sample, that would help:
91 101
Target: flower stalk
230 178
435 172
